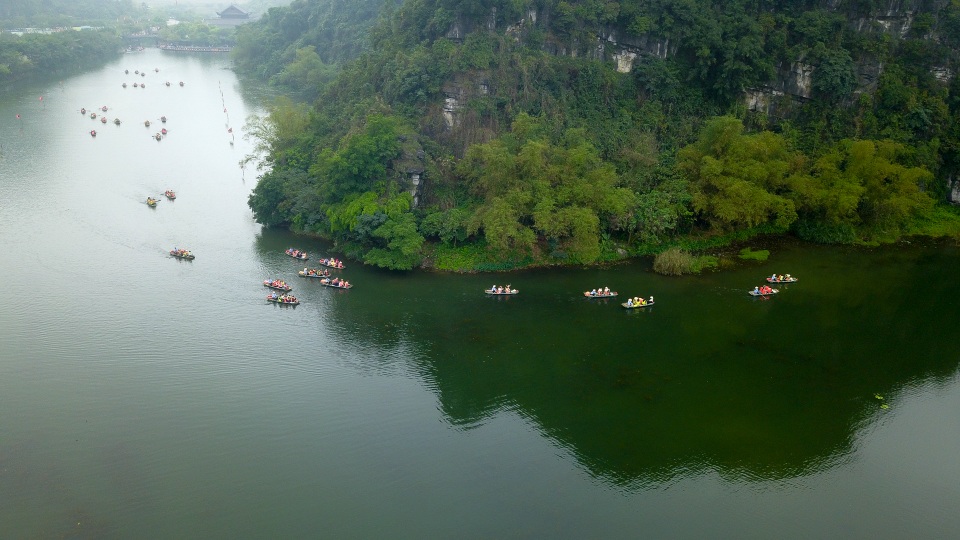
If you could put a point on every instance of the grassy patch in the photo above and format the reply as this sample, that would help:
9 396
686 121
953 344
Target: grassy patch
676 262
943 222
760 255
476 258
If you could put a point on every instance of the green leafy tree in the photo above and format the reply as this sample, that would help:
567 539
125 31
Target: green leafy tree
738 181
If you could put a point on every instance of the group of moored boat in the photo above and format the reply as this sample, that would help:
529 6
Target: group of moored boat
322 274
641 302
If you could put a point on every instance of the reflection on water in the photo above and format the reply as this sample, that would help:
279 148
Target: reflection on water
711 381
148 397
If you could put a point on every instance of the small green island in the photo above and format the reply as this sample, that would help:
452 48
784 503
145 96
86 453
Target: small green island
500 135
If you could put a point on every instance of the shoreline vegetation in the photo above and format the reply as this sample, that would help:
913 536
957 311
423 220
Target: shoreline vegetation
492 150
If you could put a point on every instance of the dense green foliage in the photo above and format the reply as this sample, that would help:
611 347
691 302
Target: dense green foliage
46 53
297 47
532 145
196 32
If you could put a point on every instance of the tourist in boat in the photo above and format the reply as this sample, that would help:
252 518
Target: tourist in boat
756 290
651 300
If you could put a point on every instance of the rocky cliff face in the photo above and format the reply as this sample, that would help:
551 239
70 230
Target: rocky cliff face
792 84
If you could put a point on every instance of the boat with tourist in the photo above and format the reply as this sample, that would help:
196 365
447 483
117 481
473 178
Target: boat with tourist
151 202
497 290
781 278
637 302
336 283
277 284
763 290
605 292
283 299
297 254
93 133
116 121
313 273
184 254
332 263
170 194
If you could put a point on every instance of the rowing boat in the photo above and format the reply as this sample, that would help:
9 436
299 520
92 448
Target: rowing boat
273 285
635 306
501 293
329 283
317 274
761 293
297 254
283 300
778 280
331 263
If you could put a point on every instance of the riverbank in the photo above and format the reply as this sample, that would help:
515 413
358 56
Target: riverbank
714 252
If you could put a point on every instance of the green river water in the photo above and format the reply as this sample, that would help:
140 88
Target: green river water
147 397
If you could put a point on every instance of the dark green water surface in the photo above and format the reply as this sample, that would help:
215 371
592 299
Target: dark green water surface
147 397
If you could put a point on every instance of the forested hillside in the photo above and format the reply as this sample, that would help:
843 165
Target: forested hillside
50 53
489 134
298 47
